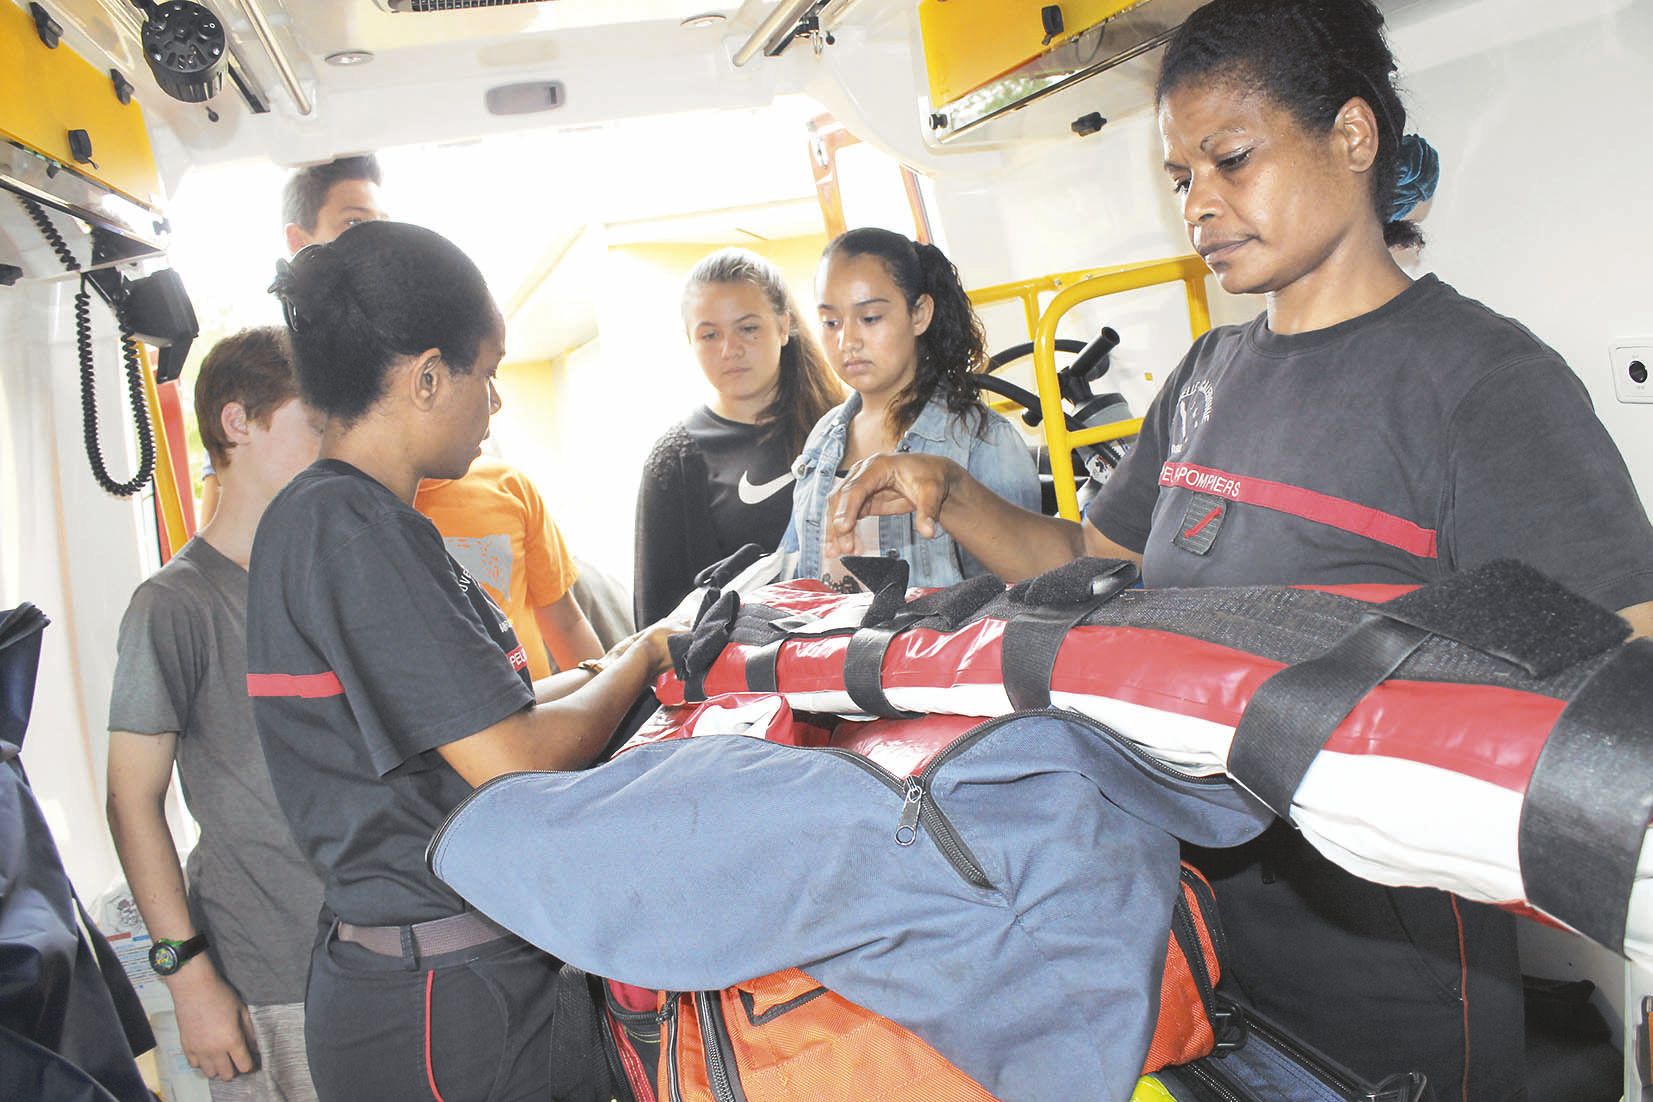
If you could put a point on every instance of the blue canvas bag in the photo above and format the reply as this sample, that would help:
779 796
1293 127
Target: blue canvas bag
1008 903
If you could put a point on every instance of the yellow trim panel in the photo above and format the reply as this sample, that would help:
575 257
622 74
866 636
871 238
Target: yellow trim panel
969 43
45 93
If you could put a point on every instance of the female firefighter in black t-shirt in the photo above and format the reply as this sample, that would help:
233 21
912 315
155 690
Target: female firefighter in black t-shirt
722 478
386 684
1365 428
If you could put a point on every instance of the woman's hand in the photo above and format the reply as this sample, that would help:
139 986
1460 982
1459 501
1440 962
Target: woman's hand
891 483
652 640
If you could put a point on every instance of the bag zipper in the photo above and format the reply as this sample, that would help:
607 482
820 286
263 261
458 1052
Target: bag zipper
719 1050
1404 1087
668 1018
1188 939
917 803
1217 1085
623 1061
1186 931
436 838
1333 1078
1207 900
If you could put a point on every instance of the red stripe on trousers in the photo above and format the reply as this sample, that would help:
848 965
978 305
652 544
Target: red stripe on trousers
1282 497
309 686
430 1073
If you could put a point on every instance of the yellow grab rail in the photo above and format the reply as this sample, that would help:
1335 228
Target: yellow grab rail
1071 289
164 481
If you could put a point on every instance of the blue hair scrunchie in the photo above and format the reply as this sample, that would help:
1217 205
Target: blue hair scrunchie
1417 172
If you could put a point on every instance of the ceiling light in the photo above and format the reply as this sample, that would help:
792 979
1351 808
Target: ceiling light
349 57
705 19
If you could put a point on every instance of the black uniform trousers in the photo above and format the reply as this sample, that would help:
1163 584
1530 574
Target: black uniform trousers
466 1026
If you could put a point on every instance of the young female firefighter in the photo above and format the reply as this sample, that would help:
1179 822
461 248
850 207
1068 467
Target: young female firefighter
386 684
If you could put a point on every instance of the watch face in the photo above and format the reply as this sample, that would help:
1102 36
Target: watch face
163 957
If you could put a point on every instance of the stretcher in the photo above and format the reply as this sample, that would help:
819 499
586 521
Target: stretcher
1491 735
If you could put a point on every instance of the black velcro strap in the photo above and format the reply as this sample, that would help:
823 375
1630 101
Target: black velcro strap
1588 804
949 609
1511 611
864 673
1072 583
1293 713
761 663
693 660
726 570
885 579
1033 638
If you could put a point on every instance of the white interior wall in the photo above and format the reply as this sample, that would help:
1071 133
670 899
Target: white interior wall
52 515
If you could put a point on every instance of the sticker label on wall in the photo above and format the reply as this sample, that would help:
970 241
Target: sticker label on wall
1201 522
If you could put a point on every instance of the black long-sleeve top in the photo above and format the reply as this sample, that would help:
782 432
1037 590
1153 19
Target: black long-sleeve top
710 486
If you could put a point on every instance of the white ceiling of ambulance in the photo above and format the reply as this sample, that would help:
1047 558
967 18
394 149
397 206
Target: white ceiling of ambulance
431 71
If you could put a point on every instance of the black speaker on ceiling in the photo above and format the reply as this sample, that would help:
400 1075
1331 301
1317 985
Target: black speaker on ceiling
185 46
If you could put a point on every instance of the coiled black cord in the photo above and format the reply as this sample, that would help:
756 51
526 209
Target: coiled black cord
88 389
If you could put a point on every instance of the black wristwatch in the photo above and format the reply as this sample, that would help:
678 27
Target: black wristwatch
167 956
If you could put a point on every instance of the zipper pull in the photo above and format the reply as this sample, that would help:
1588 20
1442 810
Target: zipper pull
668 1011
906 832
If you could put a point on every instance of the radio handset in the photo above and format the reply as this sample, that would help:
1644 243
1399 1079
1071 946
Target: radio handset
88 392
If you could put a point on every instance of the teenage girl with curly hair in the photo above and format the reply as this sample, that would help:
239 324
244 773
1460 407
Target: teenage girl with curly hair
901 333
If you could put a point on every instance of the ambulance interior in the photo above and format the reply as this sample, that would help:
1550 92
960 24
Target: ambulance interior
589 151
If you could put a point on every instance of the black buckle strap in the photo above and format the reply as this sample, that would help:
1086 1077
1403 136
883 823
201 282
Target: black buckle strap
762 665
864 672
1589 801
1293 713
1032 639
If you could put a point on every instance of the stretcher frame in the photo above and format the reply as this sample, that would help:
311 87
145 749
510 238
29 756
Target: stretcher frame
1070 289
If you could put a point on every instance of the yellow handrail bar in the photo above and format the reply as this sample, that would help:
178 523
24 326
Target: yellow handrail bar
1071 289
166 485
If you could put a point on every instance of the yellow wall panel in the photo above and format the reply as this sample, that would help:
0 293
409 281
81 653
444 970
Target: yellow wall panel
45 93
968 43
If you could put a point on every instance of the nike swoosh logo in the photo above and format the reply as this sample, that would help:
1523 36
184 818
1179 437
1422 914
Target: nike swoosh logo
756 495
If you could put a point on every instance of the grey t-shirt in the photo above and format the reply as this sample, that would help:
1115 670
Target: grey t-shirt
368 648
182 666
1426 437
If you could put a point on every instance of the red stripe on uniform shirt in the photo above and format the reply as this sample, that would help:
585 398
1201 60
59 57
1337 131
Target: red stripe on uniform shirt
309 686
1282 497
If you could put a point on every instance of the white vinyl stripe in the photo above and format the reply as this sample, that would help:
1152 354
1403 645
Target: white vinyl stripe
1387 820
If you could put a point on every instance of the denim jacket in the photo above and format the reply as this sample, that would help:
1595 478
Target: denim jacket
998 458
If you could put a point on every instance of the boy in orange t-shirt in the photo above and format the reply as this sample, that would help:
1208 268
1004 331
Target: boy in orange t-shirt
493 521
